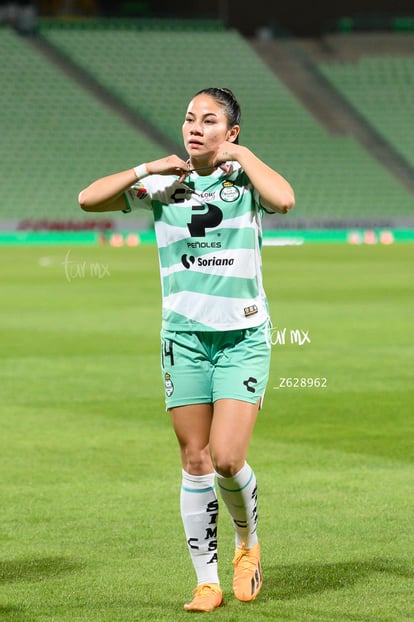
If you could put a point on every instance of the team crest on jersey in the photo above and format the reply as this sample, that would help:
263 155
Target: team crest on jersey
229 192
168 383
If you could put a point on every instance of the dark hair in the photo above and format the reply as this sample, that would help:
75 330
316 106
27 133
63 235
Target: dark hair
229 102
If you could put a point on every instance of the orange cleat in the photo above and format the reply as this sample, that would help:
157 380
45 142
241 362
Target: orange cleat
207 597
247 578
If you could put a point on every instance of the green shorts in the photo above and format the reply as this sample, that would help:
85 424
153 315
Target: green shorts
202 367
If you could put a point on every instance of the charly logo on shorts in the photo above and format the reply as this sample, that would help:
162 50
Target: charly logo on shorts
248 384
229 192
168 383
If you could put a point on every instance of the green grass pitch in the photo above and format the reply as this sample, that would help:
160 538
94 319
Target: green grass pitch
90 473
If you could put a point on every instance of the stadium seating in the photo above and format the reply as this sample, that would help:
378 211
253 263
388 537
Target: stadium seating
72 137
56 138
382 90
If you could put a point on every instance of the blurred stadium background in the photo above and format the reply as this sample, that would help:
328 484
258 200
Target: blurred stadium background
327 94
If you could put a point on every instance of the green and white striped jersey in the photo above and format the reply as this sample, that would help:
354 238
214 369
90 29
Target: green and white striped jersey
209 237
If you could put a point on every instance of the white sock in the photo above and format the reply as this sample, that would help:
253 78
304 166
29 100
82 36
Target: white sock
239 493
199 511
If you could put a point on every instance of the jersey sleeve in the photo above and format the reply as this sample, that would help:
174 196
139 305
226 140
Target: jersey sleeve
258 199
137 197
245 180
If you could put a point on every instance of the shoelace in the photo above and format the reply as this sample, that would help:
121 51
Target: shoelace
204 593
244 561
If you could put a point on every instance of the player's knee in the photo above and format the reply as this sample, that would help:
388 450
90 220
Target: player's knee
227 465
196 462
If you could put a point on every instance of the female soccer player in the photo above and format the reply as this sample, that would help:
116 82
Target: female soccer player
215 347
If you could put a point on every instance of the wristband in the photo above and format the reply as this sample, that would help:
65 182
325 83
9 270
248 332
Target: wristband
141 171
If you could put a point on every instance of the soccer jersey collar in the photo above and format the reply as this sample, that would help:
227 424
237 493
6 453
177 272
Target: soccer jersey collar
218 171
